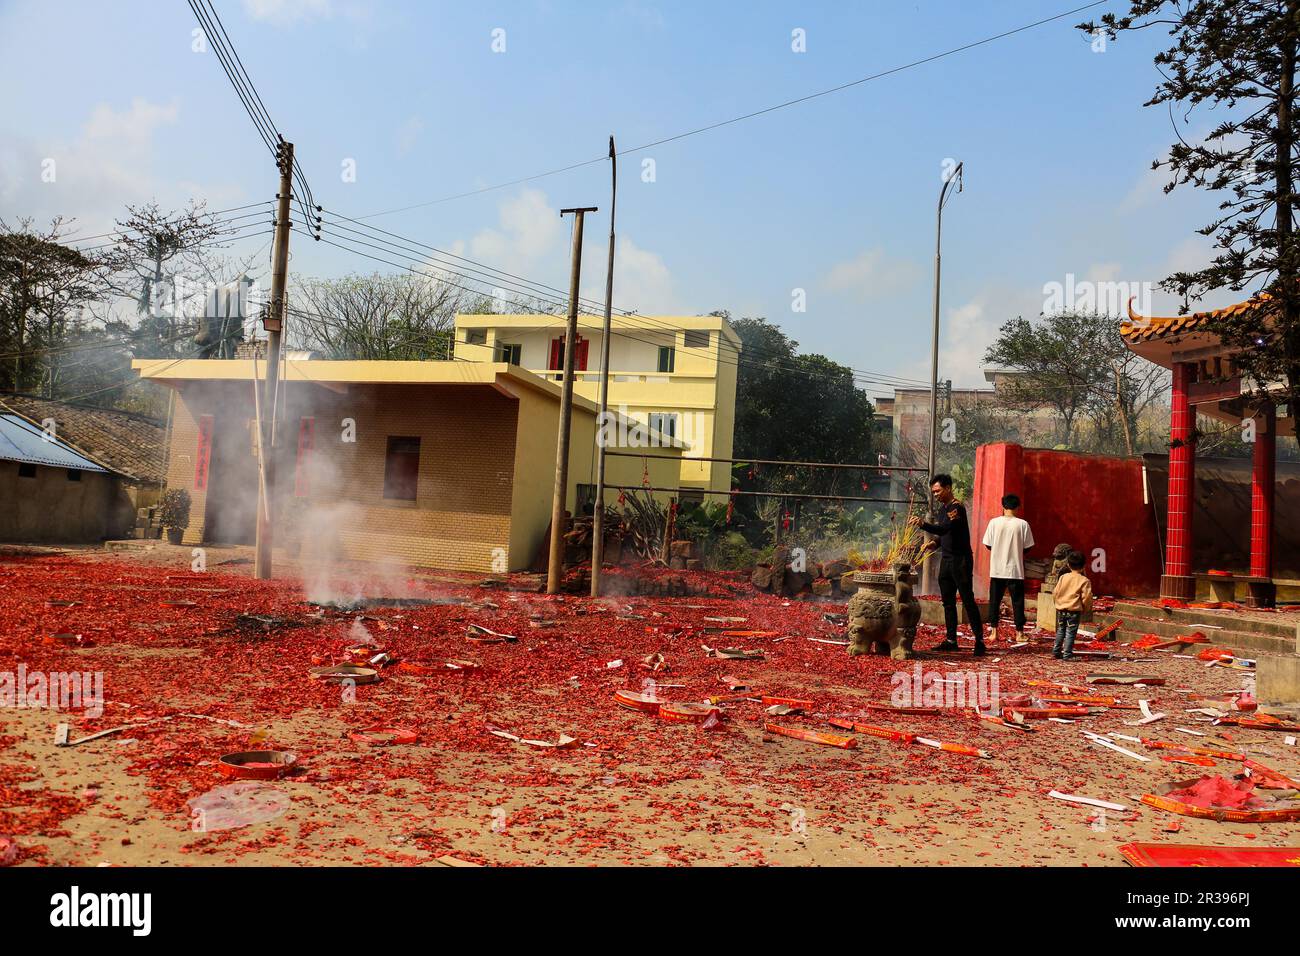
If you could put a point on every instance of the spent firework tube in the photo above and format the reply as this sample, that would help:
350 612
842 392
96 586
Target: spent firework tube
812 736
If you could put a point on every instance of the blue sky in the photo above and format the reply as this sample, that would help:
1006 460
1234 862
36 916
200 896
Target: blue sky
834 196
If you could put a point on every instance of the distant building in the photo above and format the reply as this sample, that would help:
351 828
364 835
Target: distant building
126 443
906 415
676 374
72 473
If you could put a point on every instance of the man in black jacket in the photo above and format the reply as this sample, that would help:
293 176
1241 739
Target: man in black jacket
956 562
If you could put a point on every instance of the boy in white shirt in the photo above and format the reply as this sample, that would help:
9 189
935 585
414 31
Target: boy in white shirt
1008 538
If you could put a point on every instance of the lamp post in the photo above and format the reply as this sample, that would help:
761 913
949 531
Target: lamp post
934 349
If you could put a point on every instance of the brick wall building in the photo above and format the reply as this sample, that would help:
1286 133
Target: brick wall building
436 464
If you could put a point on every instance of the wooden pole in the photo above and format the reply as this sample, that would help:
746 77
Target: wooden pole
272 321
598 512
555 564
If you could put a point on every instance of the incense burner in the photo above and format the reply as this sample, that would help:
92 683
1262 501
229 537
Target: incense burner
884 612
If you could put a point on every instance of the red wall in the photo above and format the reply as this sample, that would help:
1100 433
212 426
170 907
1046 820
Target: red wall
1091 501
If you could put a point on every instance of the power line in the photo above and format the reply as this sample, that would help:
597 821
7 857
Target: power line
623 334
265 128
767 359
745 116
217 236
122 230
536 290
244 87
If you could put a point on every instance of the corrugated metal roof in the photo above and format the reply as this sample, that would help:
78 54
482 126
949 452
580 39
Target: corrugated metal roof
20 440
127 443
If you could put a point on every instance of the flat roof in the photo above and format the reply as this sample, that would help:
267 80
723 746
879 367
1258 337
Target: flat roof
352 372
661 324
343 372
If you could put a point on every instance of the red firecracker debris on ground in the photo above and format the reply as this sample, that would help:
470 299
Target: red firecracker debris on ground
405 770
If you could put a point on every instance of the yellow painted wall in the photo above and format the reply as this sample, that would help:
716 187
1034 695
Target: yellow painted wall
702 385
487 466
462 511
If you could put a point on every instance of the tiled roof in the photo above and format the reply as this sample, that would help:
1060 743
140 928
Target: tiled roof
20 440
1143 329
125 442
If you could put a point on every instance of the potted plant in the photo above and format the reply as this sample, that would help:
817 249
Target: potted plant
174 513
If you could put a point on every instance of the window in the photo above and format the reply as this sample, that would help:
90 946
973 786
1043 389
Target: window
665 423
74 474
509 353
402 468
697 339
26 470
667 358
556 363
475 337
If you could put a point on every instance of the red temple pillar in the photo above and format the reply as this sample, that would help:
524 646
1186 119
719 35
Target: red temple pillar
1177 581
1262 479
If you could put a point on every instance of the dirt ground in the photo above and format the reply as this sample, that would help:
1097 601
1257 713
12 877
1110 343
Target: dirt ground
634 789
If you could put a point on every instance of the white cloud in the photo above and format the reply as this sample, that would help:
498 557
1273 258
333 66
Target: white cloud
408 133
643 13
1104 272
286 12
1146 191
529 228
968 329
109 164
872 274
642 280
530 240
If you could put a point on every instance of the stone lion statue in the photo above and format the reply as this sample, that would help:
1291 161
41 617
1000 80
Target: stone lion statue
885 623
1060 565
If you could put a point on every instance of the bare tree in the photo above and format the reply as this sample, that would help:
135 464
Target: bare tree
378 316
45 286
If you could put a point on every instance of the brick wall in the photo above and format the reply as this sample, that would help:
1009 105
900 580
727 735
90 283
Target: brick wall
467 447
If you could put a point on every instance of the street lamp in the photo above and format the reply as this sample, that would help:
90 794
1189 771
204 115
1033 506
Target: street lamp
934 350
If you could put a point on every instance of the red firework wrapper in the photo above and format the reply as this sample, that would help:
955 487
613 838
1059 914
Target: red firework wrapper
812 736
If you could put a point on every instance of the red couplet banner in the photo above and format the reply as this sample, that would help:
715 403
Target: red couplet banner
203 454
306 441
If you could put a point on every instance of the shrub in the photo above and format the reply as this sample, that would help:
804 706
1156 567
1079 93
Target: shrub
174 509
731 552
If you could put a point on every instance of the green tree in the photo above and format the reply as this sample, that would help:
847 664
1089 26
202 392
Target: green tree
1236 58
796 407
45 288
1059 361
1077 364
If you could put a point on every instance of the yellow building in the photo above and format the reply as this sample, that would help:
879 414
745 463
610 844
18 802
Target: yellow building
439 464
676 374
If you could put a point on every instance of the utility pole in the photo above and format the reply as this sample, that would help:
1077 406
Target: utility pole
934 351
598 513
928 567
273 322
555 566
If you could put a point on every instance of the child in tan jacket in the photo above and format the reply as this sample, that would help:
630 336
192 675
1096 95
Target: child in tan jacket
1072 597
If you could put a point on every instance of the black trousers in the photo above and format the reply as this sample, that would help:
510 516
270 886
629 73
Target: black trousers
956 575
1000 586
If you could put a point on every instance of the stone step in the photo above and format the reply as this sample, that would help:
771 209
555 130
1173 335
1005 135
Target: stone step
1248 643
1286 624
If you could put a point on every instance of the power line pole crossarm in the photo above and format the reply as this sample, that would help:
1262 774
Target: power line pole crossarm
555 564
273 322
